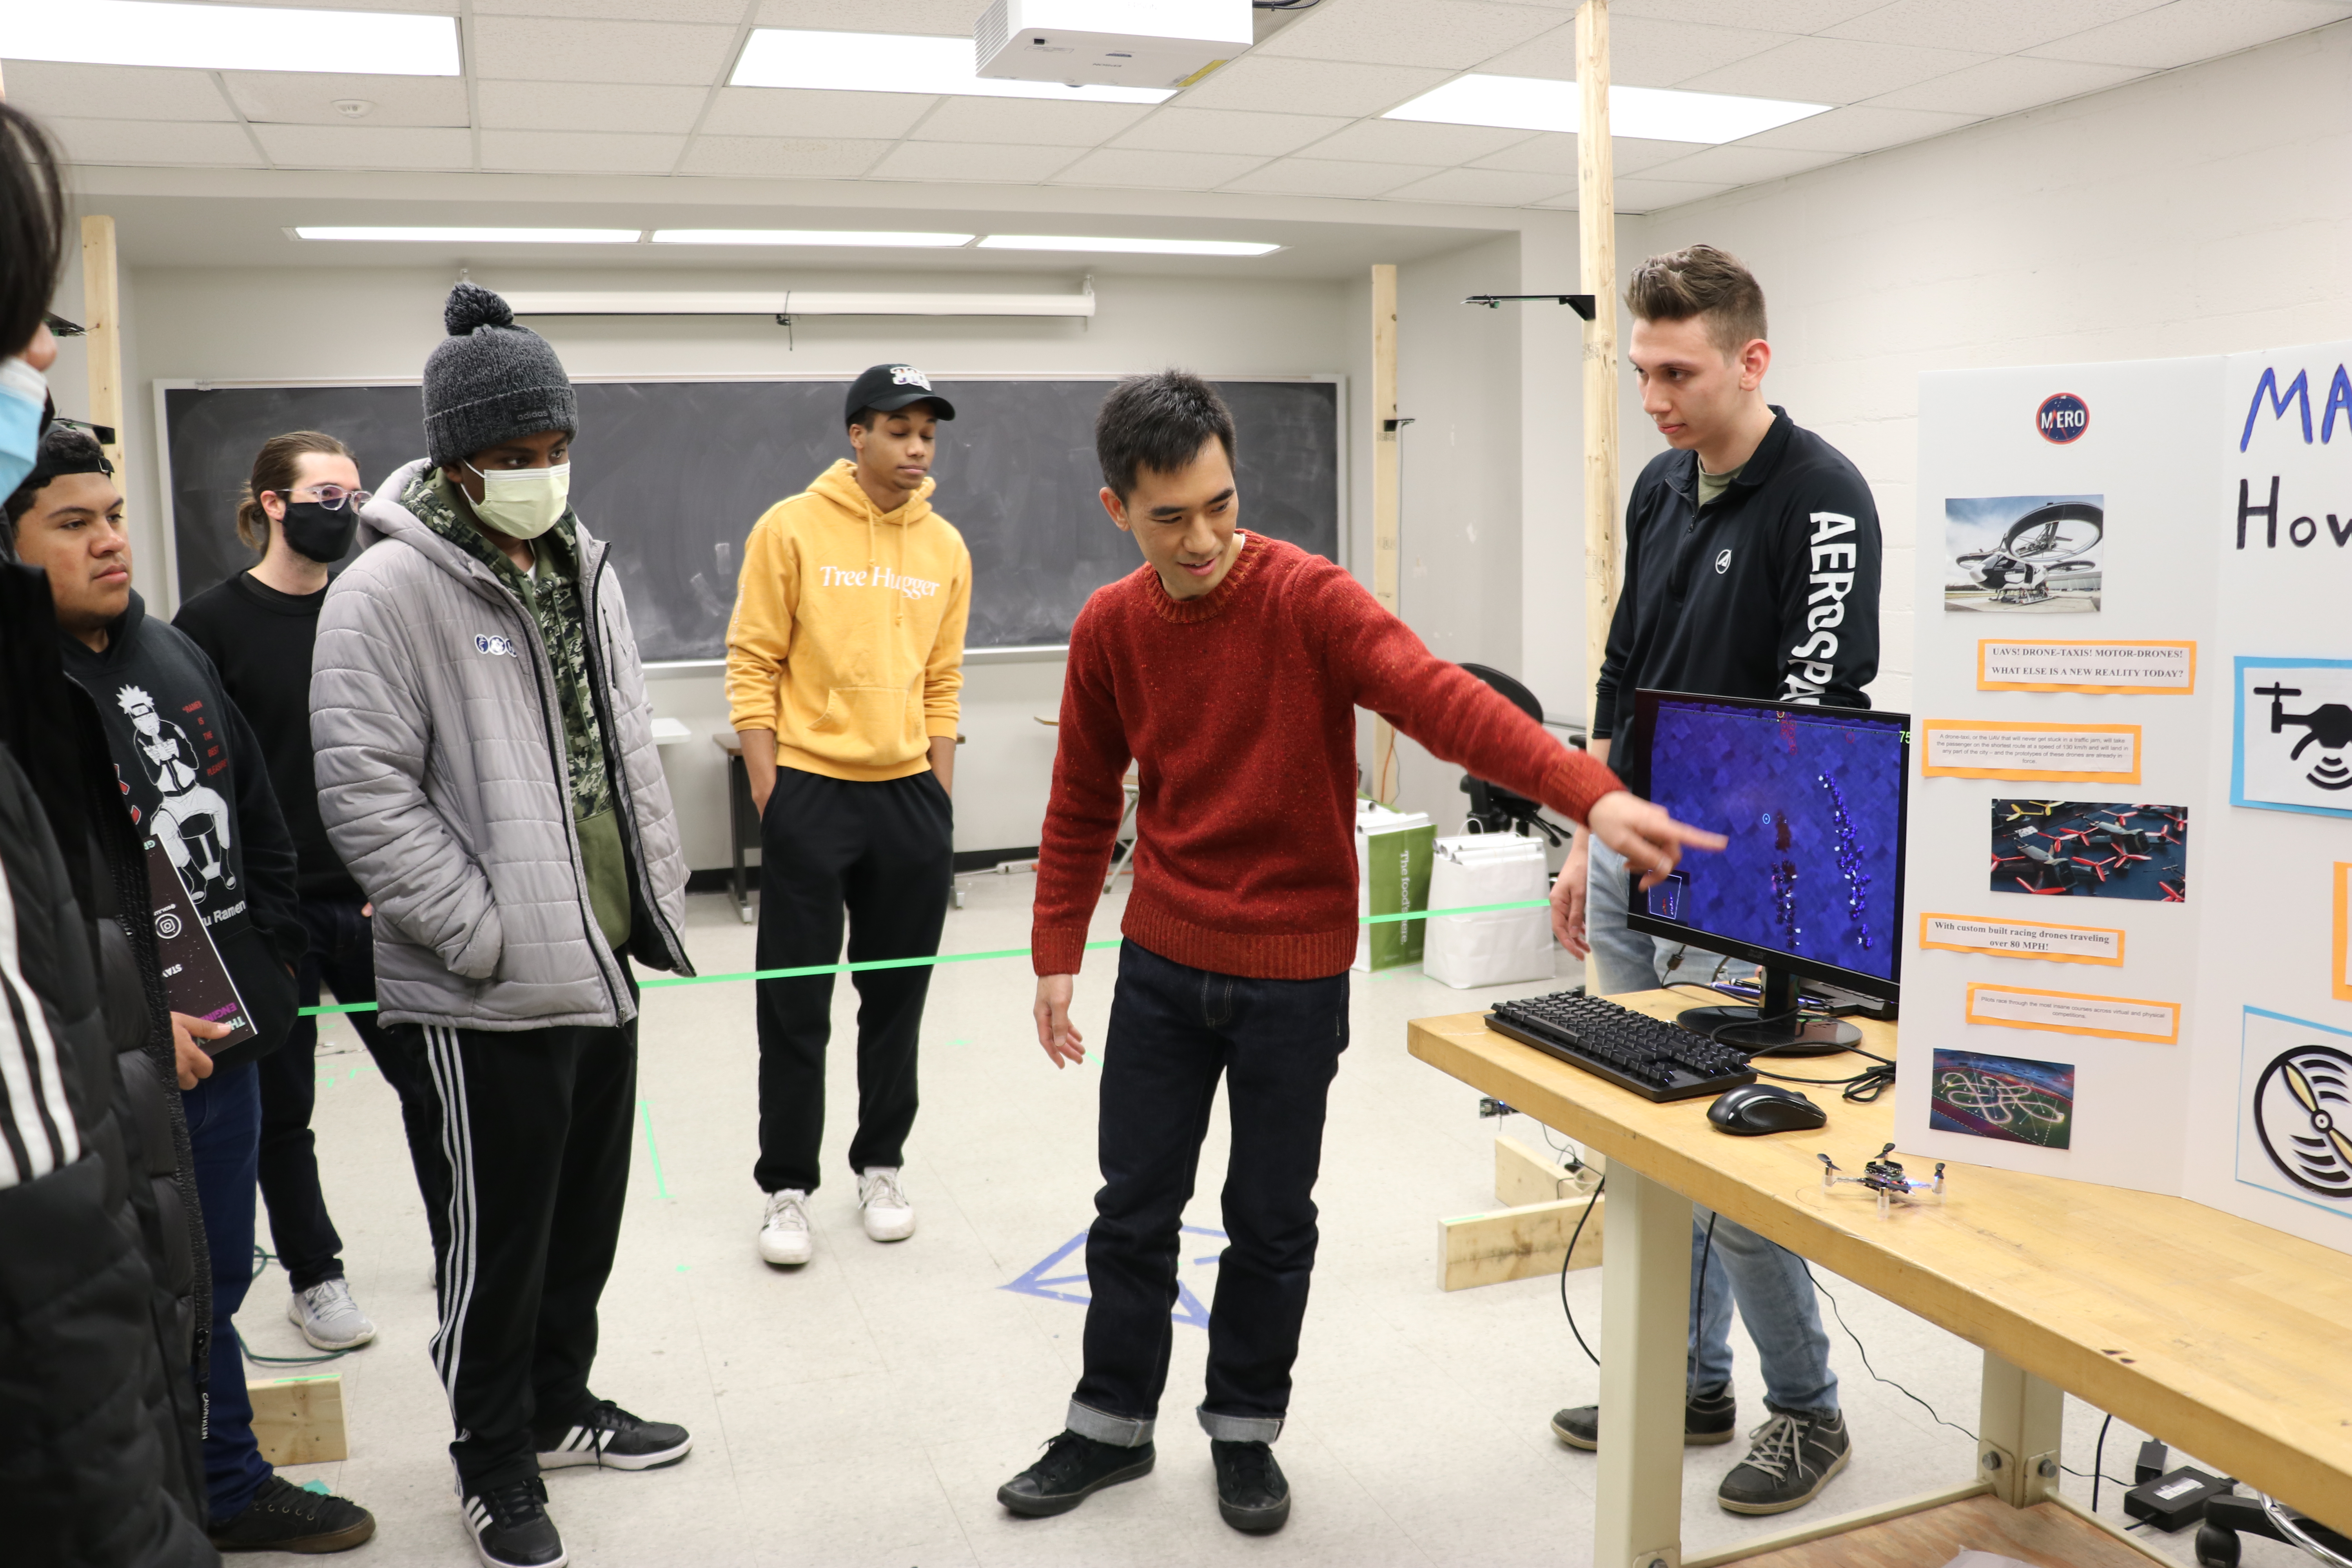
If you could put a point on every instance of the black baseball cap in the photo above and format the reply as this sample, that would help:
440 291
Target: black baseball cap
891 387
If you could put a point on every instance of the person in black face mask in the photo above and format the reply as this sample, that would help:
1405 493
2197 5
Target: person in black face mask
300 509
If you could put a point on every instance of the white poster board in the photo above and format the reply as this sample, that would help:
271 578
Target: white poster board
2130 845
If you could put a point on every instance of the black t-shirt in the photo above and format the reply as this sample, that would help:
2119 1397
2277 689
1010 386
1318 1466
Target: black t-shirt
260 641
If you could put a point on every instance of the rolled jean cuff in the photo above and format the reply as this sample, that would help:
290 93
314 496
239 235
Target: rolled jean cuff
1119 1431
1240 1428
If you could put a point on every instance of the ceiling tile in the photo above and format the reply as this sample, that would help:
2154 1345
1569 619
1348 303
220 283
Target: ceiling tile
1029 120
1995 26
533 48
1177 171
1310 86
365 147
581 151
1832 70
939 17
782 157
153 141
1228 131
1554 153
1780 15
801 112
1863 129
1644 52
2006 85
1454 34
1742 165
1013 163
1328 177
2190 30
727 13
601 106
1652 195
306 98
114 92
1486 188
1415 142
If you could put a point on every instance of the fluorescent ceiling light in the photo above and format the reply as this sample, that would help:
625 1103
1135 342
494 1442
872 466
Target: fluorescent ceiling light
1121 244
1650 113
474 236
896 62
227 38
893 237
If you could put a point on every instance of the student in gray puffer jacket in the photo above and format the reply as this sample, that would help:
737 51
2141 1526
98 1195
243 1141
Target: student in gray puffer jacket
486 769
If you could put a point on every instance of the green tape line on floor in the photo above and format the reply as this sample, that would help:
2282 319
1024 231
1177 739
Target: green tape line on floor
873 963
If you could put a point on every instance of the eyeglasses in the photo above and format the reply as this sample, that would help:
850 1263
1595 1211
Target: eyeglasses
331 497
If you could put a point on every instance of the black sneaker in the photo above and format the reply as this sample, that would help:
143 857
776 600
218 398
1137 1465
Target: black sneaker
511 1529
1708 1419
611 1438
1791 1460
1072 1469
283 1517
1252 1494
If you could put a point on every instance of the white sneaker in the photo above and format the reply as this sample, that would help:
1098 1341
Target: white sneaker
785 1229
883 1202
328 1318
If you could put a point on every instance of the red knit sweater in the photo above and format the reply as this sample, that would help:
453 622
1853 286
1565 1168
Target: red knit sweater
1239 710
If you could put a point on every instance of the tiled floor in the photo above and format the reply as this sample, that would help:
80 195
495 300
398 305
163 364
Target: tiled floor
862 1411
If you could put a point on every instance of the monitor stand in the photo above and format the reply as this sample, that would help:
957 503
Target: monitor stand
1786 1036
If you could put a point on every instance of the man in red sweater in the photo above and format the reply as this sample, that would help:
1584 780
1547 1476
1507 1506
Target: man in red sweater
1229 668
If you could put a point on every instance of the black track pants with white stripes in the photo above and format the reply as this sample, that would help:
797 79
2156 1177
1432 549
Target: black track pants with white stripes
531 1136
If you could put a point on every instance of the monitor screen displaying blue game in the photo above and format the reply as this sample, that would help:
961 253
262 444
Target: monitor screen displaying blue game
1812 801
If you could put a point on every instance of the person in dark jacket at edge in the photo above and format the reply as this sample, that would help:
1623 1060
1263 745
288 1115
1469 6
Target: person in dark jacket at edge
197 789
103 1290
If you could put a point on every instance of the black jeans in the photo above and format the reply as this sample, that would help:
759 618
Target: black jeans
1174 1031
531 1138
342 958
886 851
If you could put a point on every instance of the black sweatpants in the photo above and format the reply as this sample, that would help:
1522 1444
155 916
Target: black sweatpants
532 1134
886 851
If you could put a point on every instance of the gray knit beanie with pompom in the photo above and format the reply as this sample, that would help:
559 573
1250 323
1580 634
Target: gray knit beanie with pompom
490 381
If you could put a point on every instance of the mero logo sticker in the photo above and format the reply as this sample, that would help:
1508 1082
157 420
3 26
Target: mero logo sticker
2062 418
485 643
908 375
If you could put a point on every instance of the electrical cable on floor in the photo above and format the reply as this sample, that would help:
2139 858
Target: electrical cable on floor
2099 1461
262 1260
1564 1261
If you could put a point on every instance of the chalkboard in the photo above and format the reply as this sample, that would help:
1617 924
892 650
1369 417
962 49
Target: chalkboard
674 473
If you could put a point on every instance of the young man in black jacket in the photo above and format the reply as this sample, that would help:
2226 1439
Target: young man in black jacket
1751 570
198 790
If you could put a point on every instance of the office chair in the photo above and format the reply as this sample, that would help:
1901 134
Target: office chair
1493 808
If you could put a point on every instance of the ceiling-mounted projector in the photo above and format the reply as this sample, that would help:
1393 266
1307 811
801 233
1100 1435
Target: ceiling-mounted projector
1110 43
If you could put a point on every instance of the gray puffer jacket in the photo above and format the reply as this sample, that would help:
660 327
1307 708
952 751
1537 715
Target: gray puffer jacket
442 781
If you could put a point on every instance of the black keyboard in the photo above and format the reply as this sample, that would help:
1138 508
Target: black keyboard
1656 1059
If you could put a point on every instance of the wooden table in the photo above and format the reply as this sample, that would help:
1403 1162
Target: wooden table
2231 1340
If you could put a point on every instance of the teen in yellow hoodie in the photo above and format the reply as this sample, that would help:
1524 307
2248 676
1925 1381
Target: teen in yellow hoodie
844 666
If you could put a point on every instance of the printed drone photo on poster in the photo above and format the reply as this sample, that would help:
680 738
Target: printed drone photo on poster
2067 848
2024 555
2011 1100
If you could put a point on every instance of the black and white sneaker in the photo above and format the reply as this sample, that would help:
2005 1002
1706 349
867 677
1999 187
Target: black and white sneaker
1792 1459
511 1526
1072 1469
1708 1419
611 1438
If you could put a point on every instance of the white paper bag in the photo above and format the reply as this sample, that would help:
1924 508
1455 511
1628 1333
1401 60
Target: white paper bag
1497 948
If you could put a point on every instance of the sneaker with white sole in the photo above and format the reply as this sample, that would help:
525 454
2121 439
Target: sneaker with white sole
510 1527
611 1438
882 1202
328 1318
785 1229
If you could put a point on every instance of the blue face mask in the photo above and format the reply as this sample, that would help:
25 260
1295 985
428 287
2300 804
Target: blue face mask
23 398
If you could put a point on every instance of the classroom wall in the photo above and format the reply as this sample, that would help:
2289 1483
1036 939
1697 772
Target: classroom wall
2204 211
327 323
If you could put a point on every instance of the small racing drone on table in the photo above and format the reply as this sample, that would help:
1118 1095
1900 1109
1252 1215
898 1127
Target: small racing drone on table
1884 1177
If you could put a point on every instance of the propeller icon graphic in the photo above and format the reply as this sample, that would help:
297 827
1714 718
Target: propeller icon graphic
2307 1129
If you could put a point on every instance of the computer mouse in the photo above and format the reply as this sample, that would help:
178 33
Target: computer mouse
1758 1108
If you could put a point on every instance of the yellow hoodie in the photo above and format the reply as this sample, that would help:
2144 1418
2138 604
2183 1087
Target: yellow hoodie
847 637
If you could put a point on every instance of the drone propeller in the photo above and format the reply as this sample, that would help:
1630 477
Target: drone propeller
2323 1120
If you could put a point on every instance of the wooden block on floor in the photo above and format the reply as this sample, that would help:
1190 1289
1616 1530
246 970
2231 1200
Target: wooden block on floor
1525 1175
298 1420
1516 1242
2047 1535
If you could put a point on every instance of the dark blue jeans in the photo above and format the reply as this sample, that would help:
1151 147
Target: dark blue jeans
224 1136
1174 1031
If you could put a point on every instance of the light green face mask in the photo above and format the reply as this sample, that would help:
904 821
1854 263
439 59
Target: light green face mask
523 503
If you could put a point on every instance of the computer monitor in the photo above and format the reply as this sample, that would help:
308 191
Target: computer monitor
1813 800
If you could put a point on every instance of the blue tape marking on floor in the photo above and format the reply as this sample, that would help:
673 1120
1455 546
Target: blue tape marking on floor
1041 1280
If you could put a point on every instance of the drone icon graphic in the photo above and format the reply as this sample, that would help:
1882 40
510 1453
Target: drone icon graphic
2329 724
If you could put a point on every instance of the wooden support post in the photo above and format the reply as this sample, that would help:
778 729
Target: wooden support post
300 1420
1644 1342
102 318
2019 1417
1386 499
1523 1243
1524 1176
1596 224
